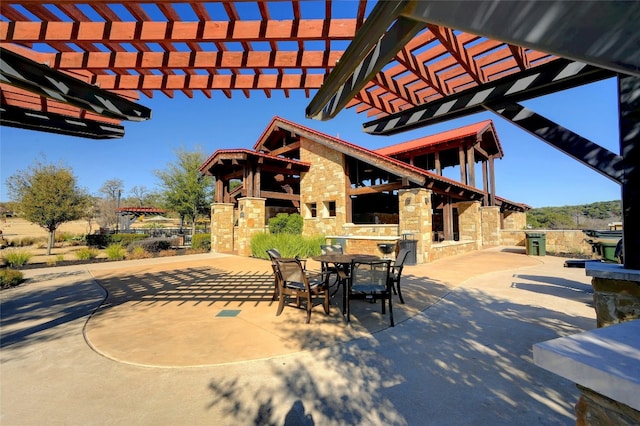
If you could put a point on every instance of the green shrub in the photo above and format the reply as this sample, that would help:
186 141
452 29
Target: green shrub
115 252
201 242
127 239
151 245
285 223
287 244
87 253
16 258
104 240
98 240
10 278
138 252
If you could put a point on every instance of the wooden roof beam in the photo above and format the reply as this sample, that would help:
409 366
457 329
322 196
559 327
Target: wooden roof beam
179 31
210 82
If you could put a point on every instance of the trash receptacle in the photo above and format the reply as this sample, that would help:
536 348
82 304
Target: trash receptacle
607 250
412 246
536 244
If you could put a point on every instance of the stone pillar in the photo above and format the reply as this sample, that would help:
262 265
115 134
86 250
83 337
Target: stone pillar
470 222
490 226
515 220
415 213
251 220
616 293
221 227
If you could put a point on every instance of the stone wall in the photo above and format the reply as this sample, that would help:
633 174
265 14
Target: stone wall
451 248
595 409
469 222
615 300
222 222
324 182
514 220
416 218
556 241
251 220
490 226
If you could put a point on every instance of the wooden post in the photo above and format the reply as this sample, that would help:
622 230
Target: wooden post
463 165
471 165
447 217
485 182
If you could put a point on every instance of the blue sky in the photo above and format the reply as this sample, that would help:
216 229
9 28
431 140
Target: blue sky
531 171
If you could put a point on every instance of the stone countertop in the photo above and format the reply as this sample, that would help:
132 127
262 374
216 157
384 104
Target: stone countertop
605 360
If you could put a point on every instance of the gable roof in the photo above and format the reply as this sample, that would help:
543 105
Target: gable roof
221 155
431 143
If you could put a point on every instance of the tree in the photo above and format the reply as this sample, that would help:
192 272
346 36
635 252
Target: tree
107 205
140 194
48 195
184 188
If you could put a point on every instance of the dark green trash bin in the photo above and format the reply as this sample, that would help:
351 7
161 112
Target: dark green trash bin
536 244
607 250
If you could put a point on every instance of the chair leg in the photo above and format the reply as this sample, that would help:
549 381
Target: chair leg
326 301
309 306
280 304
391 310
275 290
399 292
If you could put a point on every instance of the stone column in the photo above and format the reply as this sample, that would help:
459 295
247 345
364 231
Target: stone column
251 220
415 213
470 222
221 228
616 293
490 226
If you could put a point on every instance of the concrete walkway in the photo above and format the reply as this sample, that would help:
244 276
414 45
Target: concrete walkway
194 340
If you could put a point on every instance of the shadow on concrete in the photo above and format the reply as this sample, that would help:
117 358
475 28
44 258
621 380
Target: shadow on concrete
29 314
189 285
555 286
467 360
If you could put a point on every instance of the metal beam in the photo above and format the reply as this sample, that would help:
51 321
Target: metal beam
554 76
629 99
57 123
601 33
370 50
588 153
22 72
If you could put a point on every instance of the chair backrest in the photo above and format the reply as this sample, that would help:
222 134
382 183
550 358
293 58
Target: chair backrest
331 249
401 257
371 272
273 254
290 270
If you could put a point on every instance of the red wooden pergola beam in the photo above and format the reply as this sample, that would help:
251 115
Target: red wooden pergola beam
187 60
158 32
214 82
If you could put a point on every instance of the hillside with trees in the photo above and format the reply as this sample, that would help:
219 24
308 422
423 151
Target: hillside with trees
584 216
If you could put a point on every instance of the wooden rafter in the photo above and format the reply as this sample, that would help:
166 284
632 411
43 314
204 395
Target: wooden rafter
132 48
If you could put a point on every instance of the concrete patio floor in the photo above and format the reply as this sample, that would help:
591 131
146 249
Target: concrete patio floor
195 340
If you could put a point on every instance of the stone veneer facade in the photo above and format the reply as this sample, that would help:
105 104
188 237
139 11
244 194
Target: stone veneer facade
324 182
490 226
251 220
222 222
416 219
616 299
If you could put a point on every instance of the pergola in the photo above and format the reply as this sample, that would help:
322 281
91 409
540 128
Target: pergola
76 68
66 59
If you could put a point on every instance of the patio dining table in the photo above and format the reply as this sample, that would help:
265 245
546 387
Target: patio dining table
342 263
